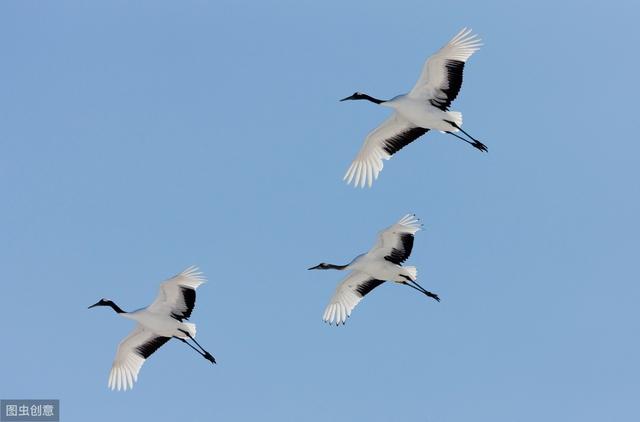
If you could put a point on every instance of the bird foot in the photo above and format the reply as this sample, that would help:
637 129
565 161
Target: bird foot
433 295
208 357
479 145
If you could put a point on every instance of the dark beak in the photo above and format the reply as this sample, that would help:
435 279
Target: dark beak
314 268
350 97
94 305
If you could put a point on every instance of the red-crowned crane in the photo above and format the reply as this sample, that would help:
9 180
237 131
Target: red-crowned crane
425 107
158 323
383 262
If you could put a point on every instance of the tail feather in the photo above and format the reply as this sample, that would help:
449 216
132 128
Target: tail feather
190 328
456 117
412 272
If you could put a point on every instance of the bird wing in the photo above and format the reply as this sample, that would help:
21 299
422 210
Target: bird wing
177 296
347 295
395 242
381 143
441 76
131 354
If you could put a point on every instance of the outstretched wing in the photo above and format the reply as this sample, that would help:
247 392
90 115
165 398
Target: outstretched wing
131 354
395 243
380 144
177 296
347 295
441 76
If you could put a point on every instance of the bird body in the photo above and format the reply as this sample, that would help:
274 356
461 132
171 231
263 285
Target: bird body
381 263
382 269
424 108
422 114
158 323
162 325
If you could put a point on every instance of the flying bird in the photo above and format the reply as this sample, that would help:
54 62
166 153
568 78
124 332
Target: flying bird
158 323
383 262
425 107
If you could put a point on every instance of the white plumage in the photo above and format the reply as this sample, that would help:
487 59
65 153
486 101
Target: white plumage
171 297
347 296
383 262
425 107
128 360
435 79
158 323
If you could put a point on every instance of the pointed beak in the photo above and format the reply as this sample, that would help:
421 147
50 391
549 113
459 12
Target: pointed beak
94 305
314 268
350 97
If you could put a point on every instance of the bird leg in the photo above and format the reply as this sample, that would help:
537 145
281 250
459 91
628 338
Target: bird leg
428 293
190 345
204 353
421 289
476 144
412 286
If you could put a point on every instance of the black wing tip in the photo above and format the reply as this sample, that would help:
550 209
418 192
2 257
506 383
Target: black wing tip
189 297
364 288
147 349
455 70
402 139
398 256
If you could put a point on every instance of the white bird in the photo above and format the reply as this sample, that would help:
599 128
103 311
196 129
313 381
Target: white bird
425 107
383 262
157 324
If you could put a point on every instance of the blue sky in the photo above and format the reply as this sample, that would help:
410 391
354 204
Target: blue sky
138 138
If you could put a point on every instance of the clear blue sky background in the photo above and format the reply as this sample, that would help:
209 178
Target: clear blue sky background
137 138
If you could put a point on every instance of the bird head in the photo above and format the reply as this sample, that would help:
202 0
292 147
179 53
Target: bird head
101 302
320 266
356 96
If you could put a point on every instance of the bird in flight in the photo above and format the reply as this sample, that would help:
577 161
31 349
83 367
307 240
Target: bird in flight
158 323
383 262
425 107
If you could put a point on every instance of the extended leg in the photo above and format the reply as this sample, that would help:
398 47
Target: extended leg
476 144
426 292
190 345
454 124
422 290
204 353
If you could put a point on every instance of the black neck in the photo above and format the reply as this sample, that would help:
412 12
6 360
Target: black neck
373 100
116 307
336 267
